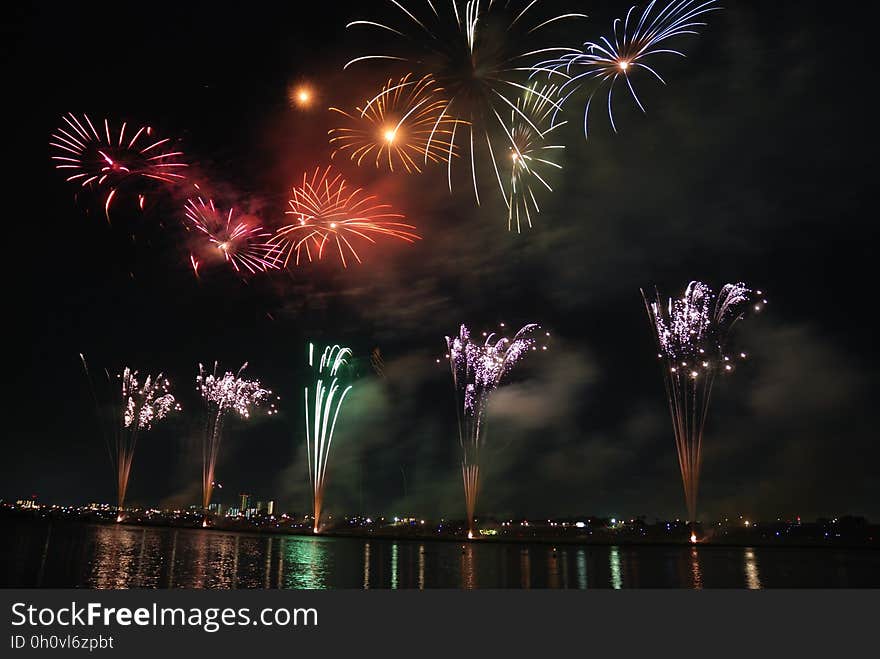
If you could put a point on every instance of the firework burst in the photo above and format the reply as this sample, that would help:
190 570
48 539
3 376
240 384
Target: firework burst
240 240
533 158
477 371
328 214
224 395
692 335
325 402
112 160
631 48
136 407
402 127
481 54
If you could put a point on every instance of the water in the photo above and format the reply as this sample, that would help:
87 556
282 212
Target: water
66 554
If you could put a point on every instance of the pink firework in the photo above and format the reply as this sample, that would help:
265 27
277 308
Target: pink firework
102 157
240 240
329 214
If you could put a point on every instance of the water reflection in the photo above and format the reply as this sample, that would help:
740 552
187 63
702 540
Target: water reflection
614 564
366 566
468 575
582 569
119 556
753 579
696 574
306 563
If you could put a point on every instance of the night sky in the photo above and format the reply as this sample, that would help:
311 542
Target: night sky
751 165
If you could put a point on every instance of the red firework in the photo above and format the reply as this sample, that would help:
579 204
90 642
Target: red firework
327 213
105 158
240 240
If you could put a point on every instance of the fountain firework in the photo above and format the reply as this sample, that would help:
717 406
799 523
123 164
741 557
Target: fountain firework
325 402
477 371
692 334
135 408
224 395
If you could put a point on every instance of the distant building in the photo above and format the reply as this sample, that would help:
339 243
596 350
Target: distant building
233 512
216 508
245 502
270 508
260 508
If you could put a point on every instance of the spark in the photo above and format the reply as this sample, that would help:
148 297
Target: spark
634 43
241 242
694 328
401 128
478 369
328 214
111 160
325 403
222 396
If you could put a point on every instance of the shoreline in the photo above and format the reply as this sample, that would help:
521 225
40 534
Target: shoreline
604 540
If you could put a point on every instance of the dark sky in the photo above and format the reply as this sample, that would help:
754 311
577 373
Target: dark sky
752 164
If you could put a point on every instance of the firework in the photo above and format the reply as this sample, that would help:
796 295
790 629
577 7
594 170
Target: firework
401 127
692 335
301 96
634 43
222 396
477 371
241 241
533 158
328 214
136 407
481 54
113 160
325 403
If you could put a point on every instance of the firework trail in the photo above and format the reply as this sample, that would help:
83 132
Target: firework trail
242 243
135 408
692 334
325 403
111 160
401 126
632 46
481 54
533 158
377 362
328 214
224 395
477 371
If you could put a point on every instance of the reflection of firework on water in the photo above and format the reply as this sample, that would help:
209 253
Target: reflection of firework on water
325 402
222 395
136 407
328 214
242 243
402 126
634 42
109 159
533 158
477 371
692 334
481 53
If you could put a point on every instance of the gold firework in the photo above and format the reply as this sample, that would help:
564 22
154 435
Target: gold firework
403 127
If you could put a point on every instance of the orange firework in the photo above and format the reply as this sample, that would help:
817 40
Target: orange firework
102 157
403 125
328 213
